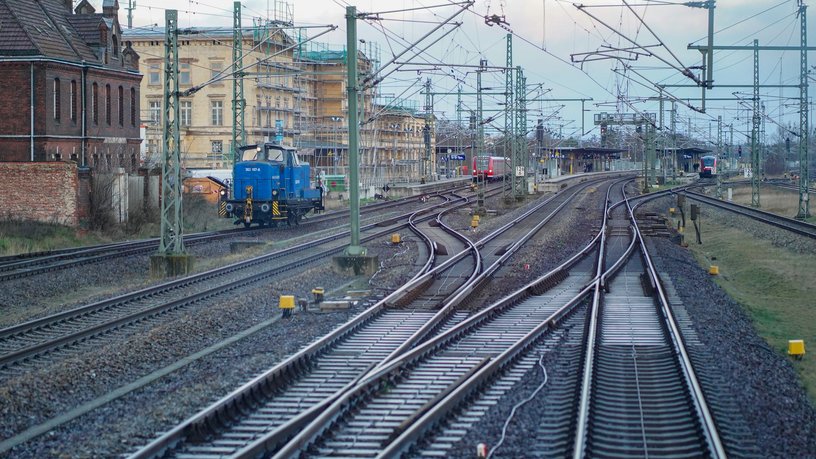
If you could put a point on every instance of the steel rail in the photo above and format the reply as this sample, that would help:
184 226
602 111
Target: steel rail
795 226
19 331
709 426
18 266
308 434
282 371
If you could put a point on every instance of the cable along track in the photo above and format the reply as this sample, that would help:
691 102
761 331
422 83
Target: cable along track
247 419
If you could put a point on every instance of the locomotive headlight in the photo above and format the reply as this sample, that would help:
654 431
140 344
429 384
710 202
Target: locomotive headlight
223 192
274 192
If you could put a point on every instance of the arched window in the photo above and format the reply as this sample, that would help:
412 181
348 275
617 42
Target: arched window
121 106
95 103
115 46
56 99
133 107
108 104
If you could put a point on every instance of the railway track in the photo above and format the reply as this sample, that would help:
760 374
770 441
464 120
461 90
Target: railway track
396 406
54 337
24 265
640 395
790 224
251 417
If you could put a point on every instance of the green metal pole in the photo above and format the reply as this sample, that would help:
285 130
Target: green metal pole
519 172
804 179
719 155
509 119
172 238
424 171
755 179
480 179
355 249
238 100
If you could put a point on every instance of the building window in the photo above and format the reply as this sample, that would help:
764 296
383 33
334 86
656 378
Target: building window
154 74
73 100
217 112
154 111
133 107
217 146
184 73
215 69
56 99
277 101
121 106
185 112
107 104
95 103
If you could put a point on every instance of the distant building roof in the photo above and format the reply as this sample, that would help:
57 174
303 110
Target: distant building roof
50 29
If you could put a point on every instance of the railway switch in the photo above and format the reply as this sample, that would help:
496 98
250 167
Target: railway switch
796 348
286 304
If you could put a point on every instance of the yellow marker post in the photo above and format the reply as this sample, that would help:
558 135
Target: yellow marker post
796 348
318 293
395 238
714 270
286 304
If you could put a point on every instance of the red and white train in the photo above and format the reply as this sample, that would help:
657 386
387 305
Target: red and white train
490 168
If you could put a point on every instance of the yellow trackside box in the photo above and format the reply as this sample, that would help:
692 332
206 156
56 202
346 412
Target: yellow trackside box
796 348
395 238
714 270
287 302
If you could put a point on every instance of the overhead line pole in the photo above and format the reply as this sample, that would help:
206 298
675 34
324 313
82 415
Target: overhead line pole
353 89
804 128
238 100
509 120
172 259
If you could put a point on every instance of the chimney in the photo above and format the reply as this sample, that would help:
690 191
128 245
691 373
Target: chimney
110 8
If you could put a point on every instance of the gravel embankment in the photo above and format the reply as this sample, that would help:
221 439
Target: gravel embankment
52 292
131 421
563 236
763 396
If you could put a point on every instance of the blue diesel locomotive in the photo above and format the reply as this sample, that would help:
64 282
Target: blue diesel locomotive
271 186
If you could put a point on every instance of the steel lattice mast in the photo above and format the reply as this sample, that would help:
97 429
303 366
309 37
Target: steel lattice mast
509 118
172 240
238 100
520 152
755 179
804 180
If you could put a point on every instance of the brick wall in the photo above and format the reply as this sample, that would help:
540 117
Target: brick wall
49 192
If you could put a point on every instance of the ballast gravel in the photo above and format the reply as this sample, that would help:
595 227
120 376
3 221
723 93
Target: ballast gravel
761 385
123 425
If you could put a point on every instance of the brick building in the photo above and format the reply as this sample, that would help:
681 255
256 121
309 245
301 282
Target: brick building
70 89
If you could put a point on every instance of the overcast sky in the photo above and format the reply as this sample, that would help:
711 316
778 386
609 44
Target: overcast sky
549 35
